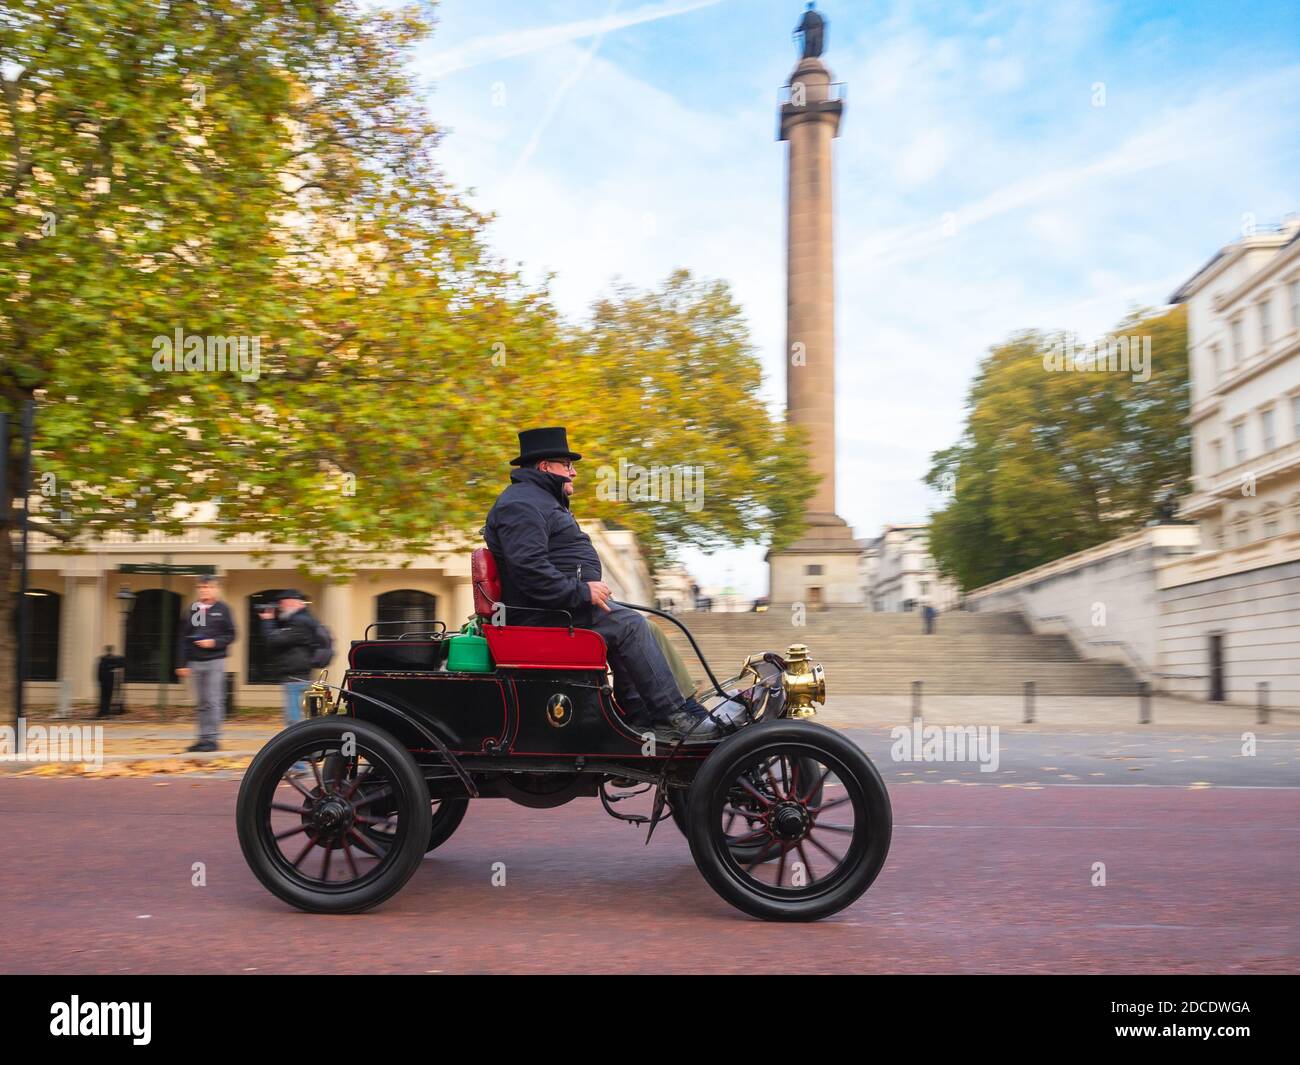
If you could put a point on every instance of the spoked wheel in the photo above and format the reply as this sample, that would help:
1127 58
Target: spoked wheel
819 829
308 834
744 816
447 814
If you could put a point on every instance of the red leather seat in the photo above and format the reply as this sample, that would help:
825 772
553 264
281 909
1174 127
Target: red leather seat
528 646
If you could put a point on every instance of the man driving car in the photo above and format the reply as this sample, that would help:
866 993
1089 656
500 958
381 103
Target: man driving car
546 562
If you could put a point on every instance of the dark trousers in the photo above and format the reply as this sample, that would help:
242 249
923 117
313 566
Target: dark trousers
643 681
105 696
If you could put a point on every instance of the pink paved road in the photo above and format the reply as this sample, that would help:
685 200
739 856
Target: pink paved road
95 877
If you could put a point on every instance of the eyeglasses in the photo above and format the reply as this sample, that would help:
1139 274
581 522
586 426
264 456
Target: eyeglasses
564 463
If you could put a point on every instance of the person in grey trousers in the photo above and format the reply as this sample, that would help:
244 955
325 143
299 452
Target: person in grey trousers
206 629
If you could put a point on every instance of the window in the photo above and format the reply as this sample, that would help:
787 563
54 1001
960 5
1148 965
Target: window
41 608
1238 343
1216 368
407 606
1272 522
1241 530
1265 325
151 634
1295 303
1295 416
1216 456
813 571
1239 442
1268 429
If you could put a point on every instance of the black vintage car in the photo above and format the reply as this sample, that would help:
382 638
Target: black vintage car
787 820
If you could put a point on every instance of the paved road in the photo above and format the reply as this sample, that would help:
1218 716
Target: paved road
95 876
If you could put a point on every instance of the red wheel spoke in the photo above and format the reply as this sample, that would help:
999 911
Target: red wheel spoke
382 793
371 819
780 869
352 862
827 805
849 829
366 845
820 781
758 795
311 842
837 859
290 832
737 841
292 778
286 807
325 866
807 865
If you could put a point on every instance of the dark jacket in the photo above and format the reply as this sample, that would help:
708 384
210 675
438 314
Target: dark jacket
291 642
544 558
215 623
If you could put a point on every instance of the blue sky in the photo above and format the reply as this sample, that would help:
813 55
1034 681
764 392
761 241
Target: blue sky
626 139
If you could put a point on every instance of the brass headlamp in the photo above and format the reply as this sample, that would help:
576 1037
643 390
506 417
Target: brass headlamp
316 698
804 682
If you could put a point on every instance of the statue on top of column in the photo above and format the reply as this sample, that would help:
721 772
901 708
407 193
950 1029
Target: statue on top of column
811 33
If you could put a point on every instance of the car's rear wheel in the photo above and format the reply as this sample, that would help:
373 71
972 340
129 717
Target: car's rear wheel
826 814
303 831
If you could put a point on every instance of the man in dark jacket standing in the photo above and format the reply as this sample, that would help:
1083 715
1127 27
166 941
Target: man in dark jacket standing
292 634
206 630
546 562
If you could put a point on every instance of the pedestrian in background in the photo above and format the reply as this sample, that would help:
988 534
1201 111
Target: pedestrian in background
298 643
106 673
206 629
928 614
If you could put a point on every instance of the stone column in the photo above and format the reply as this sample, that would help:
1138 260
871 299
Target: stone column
461 605
810 122
336 611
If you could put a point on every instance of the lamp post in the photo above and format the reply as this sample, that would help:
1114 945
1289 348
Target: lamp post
126 599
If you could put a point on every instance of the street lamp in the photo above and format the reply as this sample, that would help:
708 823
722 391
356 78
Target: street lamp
126 598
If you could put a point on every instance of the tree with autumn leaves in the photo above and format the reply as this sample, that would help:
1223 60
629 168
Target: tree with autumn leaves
265 169
1054 461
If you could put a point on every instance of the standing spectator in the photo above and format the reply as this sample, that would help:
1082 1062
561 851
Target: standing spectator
297 642
928 614
206 630
106 673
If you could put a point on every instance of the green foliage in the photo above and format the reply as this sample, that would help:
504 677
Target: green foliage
1055 462
266 170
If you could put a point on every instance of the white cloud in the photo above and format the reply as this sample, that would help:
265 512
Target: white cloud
495 47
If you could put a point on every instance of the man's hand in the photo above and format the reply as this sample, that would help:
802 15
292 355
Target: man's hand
266 615
182 672
205 643
599 594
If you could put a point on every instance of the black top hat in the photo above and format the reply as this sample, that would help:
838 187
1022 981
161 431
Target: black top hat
537 444
291 593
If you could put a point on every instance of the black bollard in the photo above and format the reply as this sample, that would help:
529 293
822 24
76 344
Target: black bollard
1029 702
1144 703
916 700
1261 702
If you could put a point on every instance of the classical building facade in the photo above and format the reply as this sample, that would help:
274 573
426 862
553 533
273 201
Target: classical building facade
77 607
899 572
1243 324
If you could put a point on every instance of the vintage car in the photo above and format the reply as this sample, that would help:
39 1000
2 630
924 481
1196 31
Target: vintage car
786 819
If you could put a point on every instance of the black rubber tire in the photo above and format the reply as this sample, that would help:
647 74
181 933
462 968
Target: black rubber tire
447 816
863 859
258 789
679 809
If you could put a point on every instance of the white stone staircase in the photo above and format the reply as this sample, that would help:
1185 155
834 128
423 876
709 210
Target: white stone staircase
868 653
